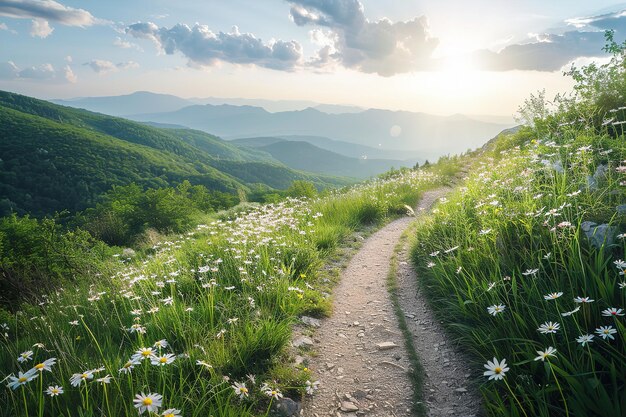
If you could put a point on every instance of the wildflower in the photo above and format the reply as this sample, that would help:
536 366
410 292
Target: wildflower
553 295
137 328
74 323
77 379
606 332
161 344
612 312
495 369
105 379
171 412
45 365
128 366
434 253
251 378
584 339
569 313
143 353
311 387
149 403
240 389
53 391
21 379
620 264
271 392
621 285
168 301
583 300
495 309
204 363
530 272
162 360
549 327
450 250
543 355
25 356
430 264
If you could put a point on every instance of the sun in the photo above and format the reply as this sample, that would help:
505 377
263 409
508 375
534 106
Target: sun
456 62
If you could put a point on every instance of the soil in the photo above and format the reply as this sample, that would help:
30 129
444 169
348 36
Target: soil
358 354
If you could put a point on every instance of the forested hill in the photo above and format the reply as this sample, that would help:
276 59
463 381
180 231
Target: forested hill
54 158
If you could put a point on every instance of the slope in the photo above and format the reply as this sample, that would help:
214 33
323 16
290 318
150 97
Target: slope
55 158
311 158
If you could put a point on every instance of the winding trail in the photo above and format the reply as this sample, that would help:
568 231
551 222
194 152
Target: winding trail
360 358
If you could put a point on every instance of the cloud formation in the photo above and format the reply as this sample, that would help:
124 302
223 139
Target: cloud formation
44 72
383 47
206 48
104 67
47 10
548 52
40 28
553 51
69 75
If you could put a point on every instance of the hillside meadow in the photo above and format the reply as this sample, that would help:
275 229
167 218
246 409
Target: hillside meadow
525 261
197 324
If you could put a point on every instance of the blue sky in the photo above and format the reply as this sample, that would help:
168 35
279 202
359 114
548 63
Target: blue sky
442 57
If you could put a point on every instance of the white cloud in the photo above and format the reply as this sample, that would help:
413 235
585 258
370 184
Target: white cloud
69 58
3 26
40 28
383 47
545 52
49 10
104 67
120 43
206 48
69 74
8 70
39 72
127 65
101 66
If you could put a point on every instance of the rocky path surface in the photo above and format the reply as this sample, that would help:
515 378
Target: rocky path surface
359 354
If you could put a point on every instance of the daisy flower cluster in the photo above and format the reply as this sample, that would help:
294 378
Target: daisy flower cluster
529 256
187 312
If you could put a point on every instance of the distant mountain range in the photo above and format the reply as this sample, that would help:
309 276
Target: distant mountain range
303 155
147 102
429 135
54 158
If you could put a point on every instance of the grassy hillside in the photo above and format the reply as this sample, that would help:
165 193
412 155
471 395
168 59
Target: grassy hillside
55 158
525 261
311 158
195 317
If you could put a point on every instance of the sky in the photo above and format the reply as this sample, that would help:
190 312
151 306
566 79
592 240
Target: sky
437 56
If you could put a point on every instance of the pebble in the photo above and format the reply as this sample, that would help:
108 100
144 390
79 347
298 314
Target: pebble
386 345
348 406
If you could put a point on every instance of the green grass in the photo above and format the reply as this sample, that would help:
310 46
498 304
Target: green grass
225 294
417 372
512 236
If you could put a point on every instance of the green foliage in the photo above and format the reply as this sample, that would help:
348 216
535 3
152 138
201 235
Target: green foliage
224 295
37 256
126 212
515 235
55 158
301 188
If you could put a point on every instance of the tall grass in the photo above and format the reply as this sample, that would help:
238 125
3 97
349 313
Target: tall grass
223 298
512 237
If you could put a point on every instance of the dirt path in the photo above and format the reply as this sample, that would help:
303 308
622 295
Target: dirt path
360 359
